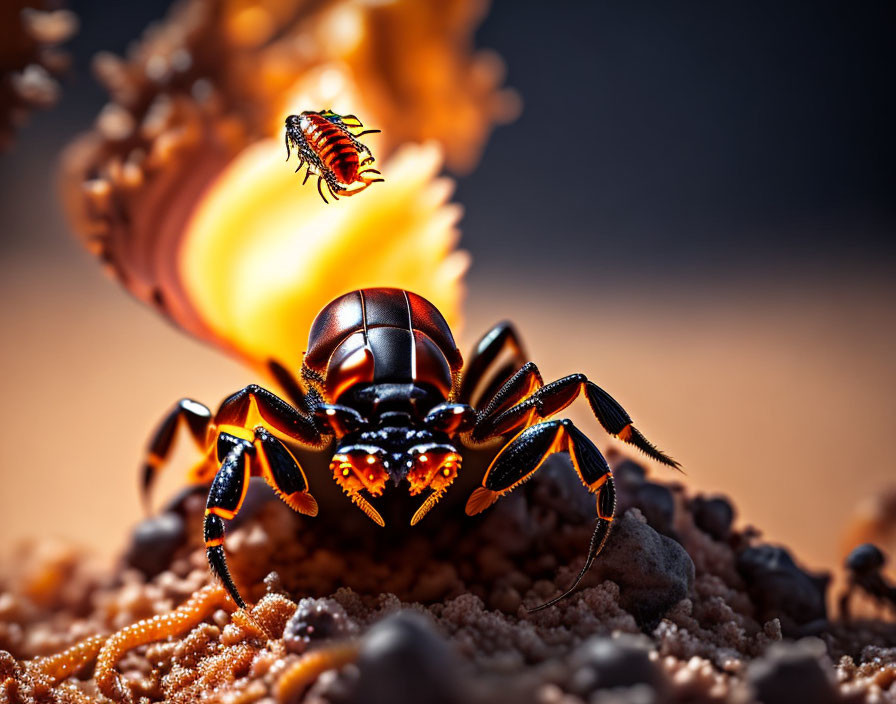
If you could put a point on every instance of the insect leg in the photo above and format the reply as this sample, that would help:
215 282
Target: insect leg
225 498
522 457
293 389
553 398
276 412
501 337
319 179
197 418
333 187
524 381
282 472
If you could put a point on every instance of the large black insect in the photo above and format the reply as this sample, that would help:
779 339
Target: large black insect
383 376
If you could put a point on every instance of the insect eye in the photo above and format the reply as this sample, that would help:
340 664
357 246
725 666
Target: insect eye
434 469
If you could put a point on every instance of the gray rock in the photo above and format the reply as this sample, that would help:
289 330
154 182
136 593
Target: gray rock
713 515
653 571
621 661
655 501
316 620
404 660
865 559
780 589
154 542
791 672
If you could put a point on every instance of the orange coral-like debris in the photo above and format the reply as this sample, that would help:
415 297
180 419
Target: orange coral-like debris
186 616
29 60
56 668
309 667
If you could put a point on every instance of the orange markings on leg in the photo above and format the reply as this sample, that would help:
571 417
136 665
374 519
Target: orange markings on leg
222 512
594 486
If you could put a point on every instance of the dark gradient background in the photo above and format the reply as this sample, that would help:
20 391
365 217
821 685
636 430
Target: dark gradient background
696 208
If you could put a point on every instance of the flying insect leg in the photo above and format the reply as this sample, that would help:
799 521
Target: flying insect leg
525 454
502 337
365 183
197 418
276 412
225 498
319 179
552 398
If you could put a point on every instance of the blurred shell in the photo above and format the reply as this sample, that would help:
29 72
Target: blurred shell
28 60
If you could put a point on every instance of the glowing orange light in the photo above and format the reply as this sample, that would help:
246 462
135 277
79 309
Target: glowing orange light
261 255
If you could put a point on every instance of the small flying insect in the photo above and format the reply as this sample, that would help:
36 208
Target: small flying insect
328 145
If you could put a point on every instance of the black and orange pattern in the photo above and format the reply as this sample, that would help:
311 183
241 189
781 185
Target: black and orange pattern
330 150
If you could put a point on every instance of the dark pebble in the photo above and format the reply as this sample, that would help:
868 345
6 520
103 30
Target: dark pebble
179 503
655 501
713 516
780 589
624 661
657 505
404 660
316 620
791 672
154 542
653 571
865 559
629 473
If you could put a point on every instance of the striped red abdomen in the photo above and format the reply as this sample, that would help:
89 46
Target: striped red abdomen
334 148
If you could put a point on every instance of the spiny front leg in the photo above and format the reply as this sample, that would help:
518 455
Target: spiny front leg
282 472
197 418
224 502
523 456
552 398
264 456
